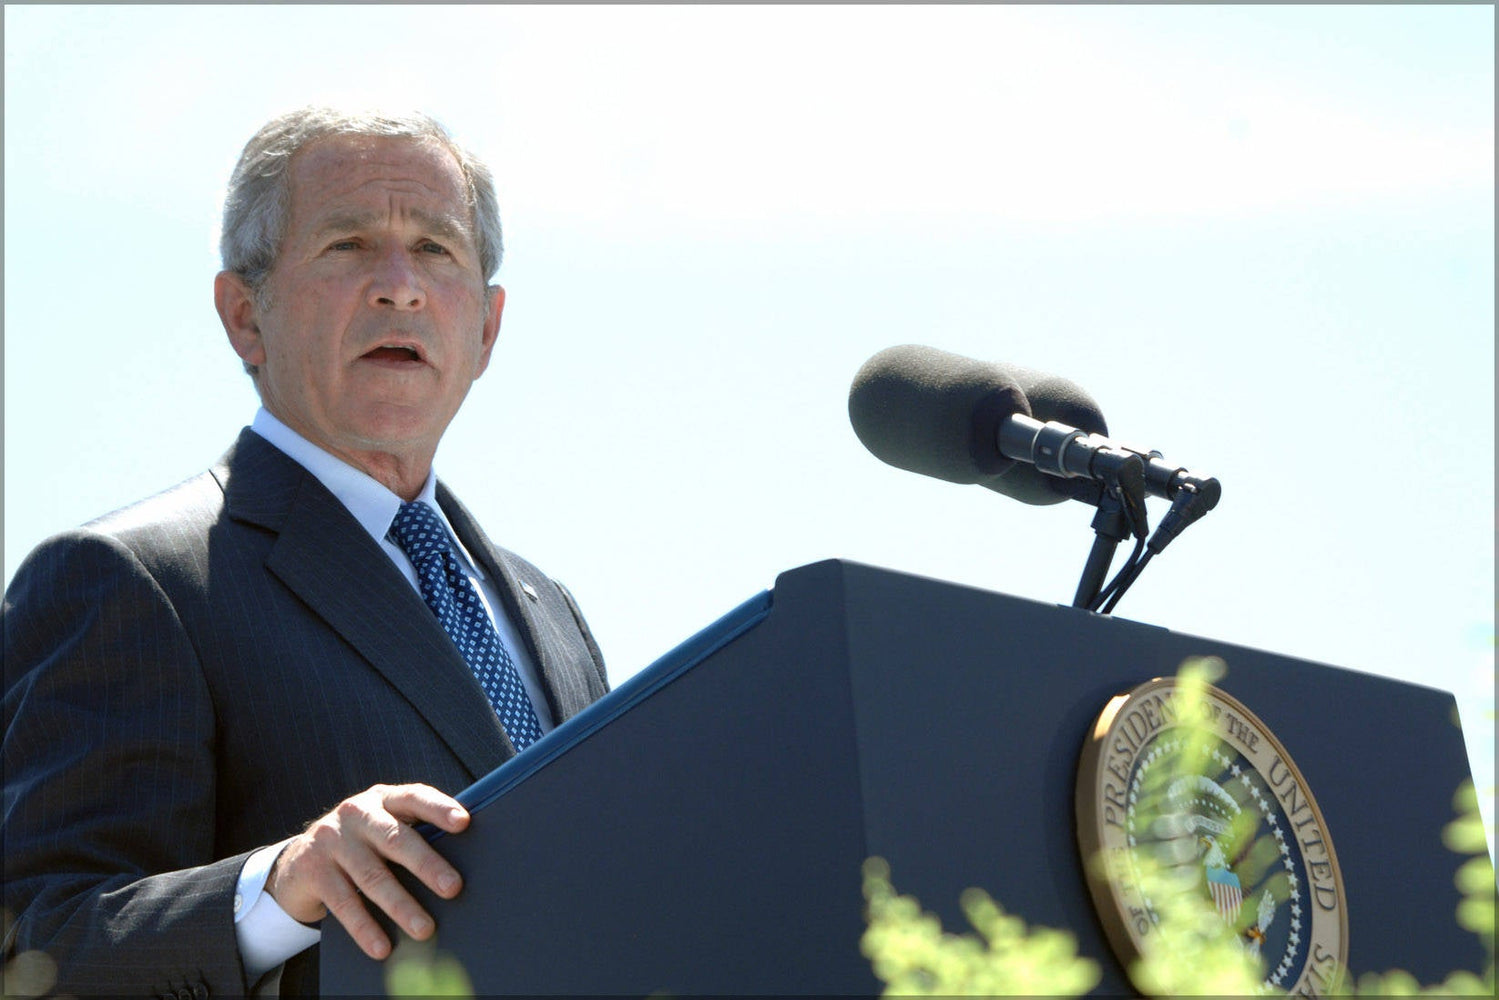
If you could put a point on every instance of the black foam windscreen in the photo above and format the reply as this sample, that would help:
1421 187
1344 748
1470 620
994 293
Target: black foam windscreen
1051 397
929 411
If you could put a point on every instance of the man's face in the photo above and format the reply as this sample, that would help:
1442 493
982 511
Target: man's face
375 319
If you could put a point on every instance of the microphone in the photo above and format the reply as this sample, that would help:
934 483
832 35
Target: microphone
1032 436
941 414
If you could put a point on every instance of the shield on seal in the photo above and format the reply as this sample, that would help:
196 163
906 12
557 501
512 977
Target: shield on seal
1228 895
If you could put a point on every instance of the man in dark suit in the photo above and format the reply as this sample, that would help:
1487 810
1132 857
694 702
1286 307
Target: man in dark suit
226 706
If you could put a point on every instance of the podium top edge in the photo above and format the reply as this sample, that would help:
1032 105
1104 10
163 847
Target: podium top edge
636 689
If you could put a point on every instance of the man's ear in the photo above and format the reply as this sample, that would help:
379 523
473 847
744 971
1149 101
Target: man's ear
491 331
236 305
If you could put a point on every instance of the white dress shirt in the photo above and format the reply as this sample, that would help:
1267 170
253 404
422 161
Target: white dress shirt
267 935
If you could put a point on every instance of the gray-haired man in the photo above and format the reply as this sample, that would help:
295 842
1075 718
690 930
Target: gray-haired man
190 680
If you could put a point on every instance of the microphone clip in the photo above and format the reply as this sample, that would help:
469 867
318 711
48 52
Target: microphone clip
1120 497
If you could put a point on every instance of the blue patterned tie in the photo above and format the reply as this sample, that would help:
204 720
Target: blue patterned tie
452 597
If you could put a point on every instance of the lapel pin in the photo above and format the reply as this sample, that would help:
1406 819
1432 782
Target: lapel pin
530 591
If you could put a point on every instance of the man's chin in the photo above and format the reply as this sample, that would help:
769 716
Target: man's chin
405 438
396 424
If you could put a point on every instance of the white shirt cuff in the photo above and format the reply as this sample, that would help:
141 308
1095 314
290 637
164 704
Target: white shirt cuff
267 936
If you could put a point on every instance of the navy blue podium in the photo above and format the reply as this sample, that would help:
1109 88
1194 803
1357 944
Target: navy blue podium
700 831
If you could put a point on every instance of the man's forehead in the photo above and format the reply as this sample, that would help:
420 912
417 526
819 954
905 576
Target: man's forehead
343 163
450 225
345 182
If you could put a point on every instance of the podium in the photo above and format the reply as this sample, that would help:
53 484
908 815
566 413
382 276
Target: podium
700 830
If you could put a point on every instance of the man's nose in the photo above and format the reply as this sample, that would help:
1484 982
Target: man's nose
397 281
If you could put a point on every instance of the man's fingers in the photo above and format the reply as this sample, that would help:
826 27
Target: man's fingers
424 804
397 841
394 841
347 908
349 852
310 877
373 877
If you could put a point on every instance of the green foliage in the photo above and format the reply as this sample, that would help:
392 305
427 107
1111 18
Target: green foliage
418 969
1191 950
913 957
1475 879
1475 913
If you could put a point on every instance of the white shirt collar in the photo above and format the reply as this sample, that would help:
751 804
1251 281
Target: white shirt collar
373 505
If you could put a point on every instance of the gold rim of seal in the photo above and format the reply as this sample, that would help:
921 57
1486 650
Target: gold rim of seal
1109 902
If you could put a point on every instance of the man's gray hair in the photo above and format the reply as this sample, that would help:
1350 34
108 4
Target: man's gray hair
259 199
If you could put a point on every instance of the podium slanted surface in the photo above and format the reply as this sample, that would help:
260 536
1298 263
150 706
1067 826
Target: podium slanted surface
700 831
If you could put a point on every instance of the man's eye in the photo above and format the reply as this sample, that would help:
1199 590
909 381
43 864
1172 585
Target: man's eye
343 245
437 248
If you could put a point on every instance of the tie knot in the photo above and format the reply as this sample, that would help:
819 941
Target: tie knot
418 531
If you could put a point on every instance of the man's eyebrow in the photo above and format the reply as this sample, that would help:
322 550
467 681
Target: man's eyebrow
446 227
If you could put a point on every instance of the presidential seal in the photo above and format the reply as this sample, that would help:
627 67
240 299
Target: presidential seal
1181 790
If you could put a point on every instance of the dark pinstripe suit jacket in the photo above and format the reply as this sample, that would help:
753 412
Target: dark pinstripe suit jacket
205 672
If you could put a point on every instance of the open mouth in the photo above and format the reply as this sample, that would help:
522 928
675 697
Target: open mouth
394 354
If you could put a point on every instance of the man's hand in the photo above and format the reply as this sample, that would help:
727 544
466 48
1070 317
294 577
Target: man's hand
325 868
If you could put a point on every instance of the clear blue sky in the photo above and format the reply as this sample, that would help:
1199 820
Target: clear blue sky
1262 237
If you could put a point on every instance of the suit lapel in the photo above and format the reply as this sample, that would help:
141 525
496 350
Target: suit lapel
523 612
328 560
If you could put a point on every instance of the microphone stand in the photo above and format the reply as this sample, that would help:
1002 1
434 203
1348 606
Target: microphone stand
1111 529
1121 512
